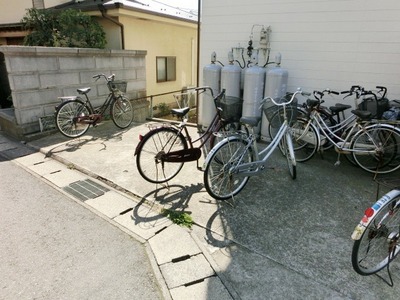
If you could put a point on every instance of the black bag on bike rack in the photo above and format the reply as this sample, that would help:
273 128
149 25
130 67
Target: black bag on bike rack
376 107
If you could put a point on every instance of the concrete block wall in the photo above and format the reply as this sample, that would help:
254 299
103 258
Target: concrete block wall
39 75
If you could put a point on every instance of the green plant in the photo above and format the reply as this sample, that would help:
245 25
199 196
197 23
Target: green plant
179 217
62 28
163 109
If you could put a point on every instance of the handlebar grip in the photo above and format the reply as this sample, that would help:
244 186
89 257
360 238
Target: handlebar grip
346 92
333 92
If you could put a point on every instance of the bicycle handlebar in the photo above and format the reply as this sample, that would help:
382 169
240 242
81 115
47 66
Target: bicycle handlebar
108 79
299 91
204 88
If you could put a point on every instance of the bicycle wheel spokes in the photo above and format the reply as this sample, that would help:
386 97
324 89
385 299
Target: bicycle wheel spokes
149 157
219 177
122 112
71 119
379 243
375 150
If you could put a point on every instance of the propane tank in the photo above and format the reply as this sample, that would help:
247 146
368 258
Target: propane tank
276 81
230 78
253 92
211 78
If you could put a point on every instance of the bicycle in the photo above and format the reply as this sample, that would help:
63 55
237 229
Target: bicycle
232 161
305 148
372 144
161 153
74 114
377 236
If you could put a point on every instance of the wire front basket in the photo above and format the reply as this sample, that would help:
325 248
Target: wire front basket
275 114
118 86
230 108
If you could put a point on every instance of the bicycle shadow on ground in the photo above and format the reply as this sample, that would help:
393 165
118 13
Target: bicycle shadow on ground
175 197
101 135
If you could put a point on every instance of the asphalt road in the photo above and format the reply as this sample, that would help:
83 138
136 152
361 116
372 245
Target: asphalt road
51 247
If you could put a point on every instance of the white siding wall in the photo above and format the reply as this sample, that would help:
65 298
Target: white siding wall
324 43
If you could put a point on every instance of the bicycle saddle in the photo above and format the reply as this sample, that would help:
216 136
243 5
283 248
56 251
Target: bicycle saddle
180 112
362 114
339 107
83 91
252 121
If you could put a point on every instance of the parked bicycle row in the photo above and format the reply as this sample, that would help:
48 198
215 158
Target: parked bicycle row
298 131
364 136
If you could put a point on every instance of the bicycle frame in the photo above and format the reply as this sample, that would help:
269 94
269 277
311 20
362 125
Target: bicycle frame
102 108
257 166
344 143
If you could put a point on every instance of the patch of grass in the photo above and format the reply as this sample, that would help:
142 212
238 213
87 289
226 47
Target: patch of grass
179 217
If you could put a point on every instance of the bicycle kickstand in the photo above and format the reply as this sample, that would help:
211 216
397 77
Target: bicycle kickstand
337 163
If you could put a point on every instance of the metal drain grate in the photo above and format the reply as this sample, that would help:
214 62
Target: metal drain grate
86 189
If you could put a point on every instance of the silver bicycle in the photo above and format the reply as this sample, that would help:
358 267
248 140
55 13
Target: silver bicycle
232 161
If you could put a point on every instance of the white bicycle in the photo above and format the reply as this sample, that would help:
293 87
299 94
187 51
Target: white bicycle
377 236
232 161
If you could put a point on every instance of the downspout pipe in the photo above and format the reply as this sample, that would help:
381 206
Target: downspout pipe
105 16
198 40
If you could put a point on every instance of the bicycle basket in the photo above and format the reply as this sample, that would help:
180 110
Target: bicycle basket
274 113
230 108
376 107
118 85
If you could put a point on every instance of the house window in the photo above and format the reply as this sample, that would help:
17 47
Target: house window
166 68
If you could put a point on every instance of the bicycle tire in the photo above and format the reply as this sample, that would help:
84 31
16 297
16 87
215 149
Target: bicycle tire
150 150
289 153
122 112
383 141
218 181
305 144
374 235
67 118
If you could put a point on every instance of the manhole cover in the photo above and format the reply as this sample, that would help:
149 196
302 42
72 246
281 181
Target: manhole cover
85 189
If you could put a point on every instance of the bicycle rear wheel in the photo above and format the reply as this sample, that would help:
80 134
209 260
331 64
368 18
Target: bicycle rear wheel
226 130
379 242
150 151
122 112
71 118
305 139
219 181
375 148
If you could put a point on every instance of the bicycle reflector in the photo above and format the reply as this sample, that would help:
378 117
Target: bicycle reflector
369 212
140 137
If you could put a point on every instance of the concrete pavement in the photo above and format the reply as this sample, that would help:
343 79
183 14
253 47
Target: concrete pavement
278 239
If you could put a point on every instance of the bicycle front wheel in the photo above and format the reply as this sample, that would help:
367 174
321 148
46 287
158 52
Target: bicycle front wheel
72 118
152 148
287 147
220 179
375 148
122 112
379 242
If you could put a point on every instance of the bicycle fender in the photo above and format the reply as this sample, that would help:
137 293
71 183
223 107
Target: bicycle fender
370 212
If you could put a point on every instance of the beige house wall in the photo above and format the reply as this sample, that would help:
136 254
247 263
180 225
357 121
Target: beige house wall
159 36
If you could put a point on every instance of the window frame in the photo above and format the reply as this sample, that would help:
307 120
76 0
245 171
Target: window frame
168 68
